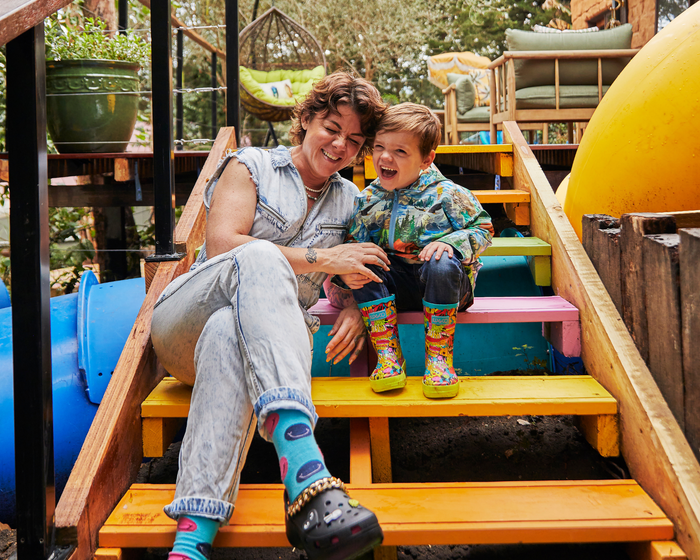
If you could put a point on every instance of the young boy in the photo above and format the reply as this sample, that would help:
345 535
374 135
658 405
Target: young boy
433 232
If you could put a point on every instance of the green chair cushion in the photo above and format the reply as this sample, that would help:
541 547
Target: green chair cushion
570 97
530 73
465 90
302 82
476 115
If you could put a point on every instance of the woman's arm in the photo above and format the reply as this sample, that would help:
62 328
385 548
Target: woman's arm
231 218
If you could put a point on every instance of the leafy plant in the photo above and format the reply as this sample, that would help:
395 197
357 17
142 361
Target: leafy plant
69 246
535 365
92 42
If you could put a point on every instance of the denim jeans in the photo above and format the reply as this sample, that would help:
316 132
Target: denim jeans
443 281
233 329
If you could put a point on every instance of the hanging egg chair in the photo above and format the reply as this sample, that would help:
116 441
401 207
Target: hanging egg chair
279 61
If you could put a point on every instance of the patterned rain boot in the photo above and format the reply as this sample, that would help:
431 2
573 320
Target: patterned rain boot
440 380
380 319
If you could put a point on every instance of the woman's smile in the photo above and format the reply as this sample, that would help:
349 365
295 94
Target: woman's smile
331 143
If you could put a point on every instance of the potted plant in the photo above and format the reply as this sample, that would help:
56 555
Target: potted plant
92 87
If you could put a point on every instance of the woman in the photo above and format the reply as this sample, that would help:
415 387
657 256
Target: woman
236 326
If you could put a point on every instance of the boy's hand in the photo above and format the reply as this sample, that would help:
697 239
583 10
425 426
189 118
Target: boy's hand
438 248
355 280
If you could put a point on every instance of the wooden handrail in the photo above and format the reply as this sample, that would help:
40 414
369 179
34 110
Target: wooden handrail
562 55
17 16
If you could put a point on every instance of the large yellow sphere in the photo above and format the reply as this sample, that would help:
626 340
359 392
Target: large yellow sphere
641 150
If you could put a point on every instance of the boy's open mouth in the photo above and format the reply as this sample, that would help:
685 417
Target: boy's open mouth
388 172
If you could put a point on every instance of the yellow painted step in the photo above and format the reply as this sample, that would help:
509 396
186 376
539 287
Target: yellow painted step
538 252
425 513
352 397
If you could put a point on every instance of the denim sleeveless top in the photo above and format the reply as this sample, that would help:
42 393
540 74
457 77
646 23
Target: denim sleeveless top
280 215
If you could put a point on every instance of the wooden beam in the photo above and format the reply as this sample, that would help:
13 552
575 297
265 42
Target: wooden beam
689 257
634 312
112 451
653 444
663 307
17 16
112 194
601 240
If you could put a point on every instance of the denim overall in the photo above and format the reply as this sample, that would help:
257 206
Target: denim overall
236 327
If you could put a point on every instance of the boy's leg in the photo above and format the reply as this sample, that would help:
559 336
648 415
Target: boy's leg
446 286
377 304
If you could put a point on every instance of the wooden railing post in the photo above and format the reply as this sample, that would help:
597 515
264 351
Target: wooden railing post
601 240
633 288
689 257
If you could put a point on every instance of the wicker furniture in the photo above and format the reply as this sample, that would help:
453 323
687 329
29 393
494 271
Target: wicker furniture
275 42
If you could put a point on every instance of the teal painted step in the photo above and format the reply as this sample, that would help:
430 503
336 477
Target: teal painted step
479 349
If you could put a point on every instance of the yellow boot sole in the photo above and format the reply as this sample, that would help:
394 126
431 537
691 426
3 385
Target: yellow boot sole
388 383
441 391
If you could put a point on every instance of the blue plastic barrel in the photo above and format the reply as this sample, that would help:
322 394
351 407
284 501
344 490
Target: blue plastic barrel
88 331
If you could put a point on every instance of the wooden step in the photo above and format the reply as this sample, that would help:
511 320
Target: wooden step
560 319
538 253
352 397
421 514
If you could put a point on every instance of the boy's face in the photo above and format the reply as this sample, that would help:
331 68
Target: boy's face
398 160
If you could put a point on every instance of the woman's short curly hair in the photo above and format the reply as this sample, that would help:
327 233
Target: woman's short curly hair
341 88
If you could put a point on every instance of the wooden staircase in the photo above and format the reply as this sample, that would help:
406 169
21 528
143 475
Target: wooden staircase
410 513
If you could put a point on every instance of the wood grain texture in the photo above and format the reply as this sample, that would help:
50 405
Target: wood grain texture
423 513
17 16
653 444
633 228
189 233
601 240
663 309
689 257
112 451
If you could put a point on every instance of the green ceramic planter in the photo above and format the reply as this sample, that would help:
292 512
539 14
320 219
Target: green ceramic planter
91 104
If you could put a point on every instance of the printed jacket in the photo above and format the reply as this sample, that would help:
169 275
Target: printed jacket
433 208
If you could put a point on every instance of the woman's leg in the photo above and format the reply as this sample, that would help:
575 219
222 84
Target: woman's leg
235 329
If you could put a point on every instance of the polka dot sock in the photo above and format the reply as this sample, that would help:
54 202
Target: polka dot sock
301 461
194 538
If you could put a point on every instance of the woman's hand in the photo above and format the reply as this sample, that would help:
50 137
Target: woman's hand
348 334
355 280
353 258
437 248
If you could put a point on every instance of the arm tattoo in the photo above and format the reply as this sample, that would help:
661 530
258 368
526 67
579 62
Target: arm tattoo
338 297
311 255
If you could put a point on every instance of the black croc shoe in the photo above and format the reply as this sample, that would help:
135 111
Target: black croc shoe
332 526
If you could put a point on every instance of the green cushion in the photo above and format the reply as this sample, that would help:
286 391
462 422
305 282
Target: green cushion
570 97
529 73
466 92
302 82
476 115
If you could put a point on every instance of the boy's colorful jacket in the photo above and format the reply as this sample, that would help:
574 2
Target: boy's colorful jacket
433 208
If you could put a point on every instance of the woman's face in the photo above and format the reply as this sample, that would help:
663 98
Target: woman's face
332 141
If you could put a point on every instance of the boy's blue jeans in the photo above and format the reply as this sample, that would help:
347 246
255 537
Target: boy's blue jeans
443 281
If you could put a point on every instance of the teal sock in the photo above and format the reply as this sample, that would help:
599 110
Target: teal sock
301 461
194 538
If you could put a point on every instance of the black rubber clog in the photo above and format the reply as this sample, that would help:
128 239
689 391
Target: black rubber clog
333 526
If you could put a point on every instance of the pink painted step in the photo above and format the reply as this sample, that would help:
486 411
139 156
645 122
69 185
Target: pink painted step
560 319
